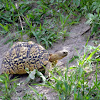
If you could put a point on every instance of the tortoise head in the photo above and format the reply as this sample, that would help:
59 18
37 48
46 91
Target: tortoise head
58 55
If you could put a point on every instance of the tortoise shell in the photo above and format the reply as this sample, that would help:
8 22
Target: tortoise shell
24 55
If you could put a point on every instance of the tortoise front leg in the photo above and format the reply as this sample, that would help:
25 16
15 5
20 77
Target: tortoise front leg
48 68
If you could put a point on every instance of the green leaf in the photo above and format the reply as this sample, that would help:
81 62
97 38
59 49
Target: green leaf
7 19
90 56
66 86
14 7
72 67
32 74
1 80
33 89
27 70
41 75
36 34
4 27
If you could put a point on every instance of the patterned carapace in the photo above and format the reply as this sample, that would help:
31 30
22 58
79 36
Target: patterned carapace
24 55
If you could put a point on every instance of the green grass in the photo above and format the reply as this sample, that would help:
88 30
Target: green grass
41 18
47 21
37 96
7 88
44 20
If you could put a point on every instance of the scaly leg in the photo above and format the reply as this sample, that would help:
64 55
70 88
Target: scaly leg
48 68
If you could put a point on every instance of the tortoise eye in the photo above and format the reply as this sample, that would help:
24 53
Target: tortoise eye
65 53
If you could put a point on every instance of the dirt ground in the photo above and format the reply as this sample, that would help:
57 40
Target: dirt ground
76 40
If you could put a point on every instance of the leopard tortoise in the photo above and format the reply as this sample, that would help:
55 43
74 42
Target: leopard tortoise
29 55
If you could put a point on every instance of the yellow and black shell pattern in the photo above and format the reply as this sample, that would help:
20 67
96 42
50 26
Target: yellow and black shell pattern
24 55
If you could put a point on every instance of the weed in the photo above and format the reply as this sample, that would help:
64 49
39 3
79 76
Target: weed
28 97
8 87
38 95
33 74
93 20
35 96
